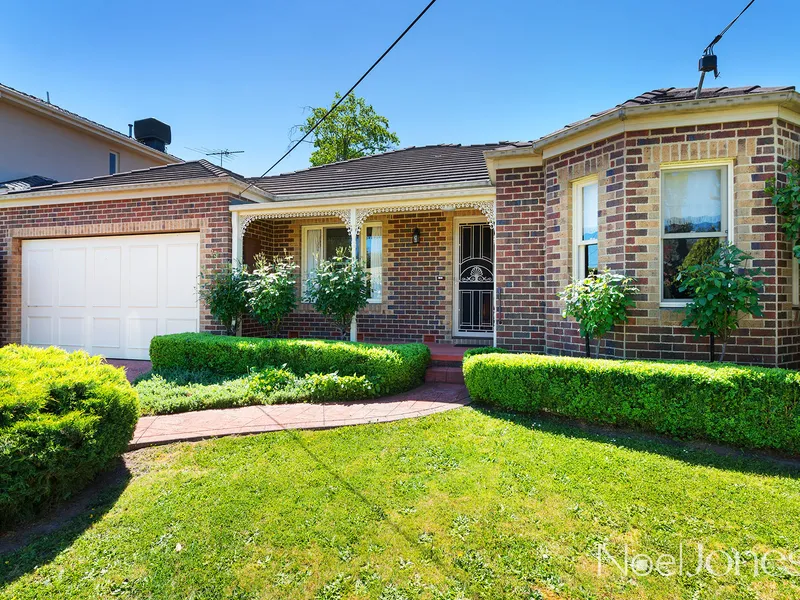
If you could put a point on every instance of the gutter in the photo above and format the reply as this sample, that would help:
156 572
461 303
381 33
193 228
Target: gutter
85 194
782 99
372 197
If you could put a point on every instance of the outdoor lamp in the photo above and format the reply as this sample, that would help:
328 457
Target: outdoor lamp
415 236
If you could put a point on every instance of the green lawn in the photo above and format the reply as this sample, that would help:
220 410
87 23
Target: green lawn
465 504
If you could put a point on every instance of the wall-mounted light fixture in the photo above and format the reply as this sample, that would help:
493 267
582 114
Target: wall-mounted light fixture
415 236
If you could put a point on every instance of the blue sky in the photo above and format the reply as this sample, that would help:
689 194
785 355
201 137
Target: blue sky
237 75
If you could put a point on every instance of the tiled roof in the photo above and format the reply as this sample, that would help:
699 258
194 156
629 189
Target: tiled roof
423 165
665 96
64 111
24 184
198 169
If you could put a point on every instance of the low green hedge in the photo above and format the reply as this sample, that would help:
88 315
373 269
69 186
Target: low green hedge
391 369
747 406
63 418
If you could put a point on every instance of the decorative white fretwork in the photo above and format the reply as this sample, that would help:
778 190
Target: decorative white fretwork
344 215
362 214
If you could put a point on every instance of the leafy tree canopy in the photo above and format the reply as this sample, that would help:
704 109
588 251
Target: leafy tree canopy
722 289
598 303
353 130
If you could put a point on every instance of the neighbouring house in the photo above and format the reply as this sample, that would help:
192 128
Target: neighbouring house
466 244
42 143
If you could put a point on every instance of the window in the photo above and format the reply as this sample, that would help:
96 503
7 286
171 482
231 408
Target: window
320 242
113 162
795 281
585 245
694 219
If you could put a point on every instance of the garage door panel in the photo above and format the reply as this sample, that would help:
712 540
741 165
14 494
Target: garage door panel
140 332
106 332
181 281
181 325
107 288
109 295
72 277
143 276
39 290
40 331
71 332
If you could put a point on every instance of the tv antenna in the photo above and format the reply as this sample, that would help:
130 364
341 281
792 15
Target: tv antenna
223 154
708 62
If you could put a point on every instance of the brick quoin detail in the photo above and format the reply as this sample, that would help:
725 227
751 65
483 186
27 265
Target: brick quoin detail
207 214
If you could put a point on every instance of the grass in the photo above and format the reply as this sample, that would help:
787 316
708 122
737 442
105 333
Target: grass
178 390
465 504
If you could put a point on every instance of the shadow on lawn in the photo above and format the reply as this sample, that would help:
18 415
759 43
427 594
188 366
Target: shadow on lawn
38 541
374 507
695 452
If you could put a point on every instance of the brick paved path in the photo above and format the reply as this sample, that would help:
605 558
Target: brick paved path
425 400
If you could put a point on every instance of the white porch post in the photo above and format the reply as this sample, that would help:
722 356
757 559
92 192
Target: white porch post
236 240
353 258
494 283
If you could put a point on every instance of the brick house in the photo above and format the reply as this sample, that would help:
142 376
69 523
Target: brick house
466 244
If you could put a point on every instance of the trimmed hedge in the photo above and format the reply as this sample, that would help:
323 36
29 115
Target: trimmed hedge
63 418
748 406
484 350
391 369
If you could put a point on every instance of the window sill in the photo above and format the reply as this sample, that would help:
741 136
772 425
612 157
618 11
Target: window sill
674 305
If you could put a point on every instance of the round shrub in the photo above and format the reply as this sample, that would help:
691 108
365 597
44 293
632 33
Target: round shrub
63 417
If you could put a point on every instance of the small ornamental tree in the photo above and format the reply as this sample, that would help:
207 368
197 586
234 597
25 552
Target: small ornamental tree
223 292
721 290
786 198
598 303
271 291
339 288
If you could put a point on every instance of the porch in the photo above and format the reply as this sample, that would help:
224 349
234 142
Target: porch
431 262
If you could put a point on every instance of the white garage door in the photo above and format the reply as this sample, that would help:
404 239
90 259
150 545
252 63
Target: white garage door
109 295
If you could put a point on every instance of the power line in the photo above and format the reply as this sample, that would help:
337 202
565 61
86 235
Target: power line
708 62
342 99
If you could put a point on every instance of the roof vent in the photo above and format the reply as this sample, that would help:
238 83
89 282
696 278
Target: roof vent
153 133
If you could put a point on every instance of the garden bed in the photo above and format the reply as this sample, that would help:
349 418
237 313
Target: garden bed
753 407
199 371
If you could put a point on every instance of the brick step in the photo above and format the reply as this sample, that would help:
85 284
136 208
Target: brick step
444 375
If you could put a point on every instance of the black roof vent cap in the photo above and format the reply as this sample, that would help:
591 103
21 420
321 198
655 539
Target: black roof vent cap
152 132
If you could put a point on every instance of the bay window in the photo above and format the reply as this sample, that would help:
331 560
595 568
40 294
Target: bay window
695 208
320 242
584 251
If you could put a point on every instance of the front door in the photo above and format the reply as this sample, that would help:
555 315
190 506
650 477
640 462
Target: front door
474 311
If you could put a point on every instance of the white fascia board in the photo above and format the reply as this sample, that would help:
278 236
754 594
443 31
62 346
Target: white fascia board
775 104
205 185
438 194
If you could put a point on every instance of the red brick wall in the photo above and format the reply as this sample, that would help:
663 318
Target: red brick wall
628 169
207 214
787 148
417 279
520 256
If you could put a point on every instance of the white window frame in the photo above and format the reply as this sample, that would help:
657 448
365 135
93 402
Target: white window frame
578 244
795 281
116 156
727 211
362 243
